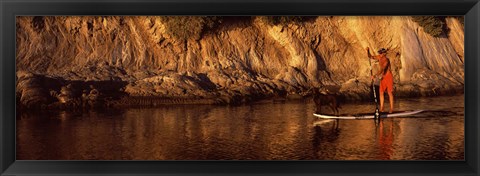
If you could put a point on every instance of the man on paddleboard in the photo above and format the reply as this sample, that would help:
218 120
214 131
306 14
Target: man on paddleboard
385 72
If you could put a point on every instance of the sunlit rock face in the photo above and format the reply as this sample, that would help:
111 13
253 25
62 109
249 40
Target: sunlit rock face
241 58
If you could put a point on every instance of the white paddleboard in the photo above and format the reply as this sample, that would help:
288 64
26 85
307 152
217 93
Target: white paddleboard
368 116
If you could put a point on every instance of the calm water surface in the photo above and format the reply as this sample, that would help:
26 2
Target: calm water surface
264 131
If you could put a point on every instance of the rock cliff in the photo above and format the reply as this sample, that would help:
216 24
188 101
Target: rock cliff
242 59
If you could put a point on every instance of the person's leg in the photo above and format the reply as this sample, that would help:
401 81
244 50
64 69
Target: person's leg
382 94
381 100
390 97
389 87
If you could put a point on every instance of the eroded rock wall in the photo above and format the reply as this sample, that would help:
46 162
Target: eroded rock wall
246 58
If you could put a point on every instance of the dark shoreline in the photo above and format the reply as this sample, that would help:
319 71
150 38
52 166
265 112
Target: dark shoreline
152 102
43 92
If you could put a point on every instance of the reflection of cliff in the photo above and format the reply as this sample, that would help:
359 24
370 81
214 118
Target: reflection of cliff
169 133
439 140
258 132
243 57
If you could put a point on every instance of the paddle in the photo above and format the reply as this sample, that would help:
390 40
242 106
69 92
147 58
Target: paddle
377 112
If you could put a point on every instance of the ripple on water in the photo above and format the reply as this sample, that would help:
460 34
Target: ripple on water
280 131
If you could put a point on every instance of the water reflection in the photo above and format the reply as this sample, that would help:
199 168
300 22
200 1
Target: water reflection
385 138
280 131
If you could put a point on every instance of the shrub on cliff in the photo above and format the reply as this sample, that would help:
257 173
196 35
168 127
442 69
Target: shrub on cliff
282 20
433 25
461 19
185 27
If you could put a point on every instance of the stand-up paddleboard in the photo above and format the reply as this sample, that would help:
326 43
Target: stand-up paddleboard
368 116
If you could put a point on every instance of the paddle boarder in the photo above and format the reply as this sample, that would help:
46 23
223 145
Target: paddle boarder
385 72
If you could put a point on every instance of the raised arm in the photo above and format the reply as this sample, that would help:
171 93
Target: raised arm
370 55
368 52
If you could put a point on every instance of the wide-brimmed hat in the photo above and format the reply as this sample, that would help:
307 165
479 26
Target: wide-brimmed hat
381 51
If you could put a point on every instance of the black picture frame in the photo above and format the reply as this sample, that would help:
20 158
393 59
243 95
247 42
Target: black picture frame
10 9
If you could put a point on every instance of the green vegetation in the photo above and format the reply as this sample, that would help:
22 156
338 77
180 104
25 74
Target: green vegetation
461 19
185 27
194 27
282 20
433 25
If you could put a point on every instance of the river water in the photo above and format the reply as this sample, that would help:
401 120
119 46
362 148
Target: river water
261 131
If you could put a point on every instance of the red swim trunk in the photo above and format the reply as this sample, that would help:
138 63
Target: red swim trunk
386 83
